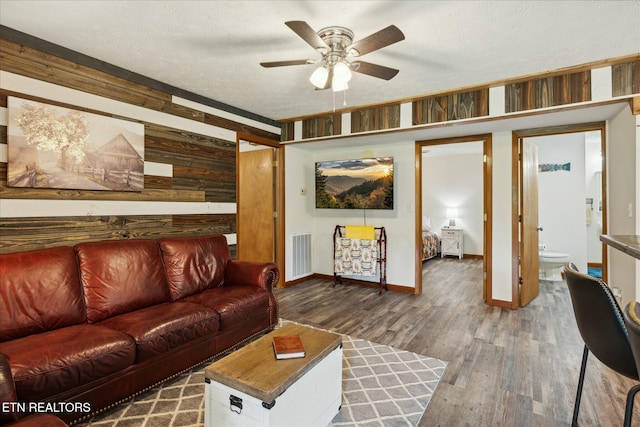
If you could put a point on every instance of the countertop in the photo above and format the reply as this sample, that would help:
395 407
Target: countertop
629 244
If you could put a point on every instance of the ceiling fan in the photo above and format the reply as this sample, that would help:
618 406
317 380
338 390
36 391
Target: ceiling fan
340 53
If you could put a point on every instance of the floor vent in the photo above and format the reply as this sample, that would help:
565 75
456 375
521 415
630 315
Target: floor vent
301 248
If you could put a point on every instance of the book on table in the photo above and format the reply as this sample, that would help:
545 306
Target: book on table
288 347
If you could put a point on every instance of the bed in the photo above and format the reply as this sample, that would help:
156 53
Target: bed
430 240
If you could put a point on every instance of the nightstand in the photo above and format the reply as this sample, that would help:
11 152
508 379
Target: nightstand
452 242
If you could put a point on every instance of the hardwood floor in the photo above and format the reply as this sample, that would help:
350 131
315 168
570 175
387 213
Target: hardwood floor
505 367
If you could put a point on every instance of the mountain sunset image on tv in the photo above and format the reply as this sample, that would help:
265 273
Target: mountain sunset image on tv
355 184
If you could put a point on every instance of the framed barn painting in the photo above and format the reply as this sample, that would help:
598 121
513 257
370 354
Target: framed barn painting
56 147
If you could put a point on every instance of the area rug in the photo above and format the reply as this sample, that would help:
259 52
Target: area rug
381 386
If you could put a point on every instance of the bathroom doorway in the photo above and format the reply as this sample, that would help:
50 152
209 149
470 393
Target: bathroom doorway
572 197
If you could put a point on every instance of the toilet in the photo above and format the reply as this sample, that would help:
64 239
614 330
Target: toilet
551 263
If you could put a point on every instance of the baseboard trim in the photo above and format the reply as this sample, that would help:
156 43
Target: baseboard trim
500 303
391 287
471 256
296 281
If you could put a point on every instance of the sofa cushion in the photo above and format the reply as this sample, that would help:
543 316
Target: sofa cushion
163 327
194 263
121 276
49 363
236 304
39 291
40 420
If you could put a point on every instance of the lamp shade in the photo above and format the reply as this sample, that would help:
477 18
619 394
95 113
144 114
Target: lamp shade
452 214
341 75
319 77
341 71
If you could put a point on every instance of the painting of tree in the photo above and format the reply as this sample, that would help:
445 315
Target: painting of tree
55 147
65 136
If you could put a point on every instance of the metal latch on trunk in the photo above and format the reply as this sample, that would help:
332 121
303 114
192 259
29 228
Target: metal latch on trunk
235 404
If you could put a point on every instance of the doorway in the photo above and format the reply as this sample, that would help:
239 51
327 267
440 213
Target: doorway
572 212
260 201
481 230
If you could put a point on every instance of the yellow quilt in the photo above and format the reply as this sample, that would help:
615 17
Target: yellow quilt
362 232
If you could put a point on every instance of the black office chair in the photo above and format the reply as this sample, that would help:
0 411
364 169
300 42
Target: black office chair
601 325
632 320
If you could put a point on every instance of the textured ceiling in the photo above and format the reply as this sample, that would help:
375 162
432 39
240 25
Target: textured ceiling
213 48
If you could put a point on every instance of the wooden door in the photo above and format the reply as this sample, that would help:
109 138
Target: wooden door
529 260
256 206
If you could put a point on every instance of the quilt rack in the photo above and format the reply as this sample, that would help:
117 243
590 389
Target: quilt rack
381 257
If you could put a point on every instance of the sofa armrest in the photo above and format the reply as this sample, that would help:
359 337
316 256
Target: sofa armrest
261 274
7 390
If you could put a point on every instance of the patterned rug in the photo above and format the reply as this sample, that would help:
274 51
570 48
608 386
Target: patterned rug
384 386
381 386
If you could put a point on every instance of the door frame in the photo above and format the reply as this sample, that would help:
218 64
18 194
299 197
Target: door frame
279 199
526 223
487 259
517 193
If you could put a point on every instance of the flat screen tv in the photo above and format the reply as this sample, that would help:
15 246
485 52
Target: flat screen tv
355 184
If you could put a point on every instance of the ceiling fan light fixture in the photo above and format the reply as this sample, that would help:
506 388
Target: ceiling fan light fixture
342 71
319 77
336 46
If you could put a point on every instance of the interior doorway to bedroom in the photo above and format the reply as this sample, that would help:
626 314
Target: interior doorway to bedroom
453 196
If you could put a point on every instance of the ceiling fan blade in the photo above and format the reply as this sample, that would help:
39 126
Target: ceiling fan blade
287 63
379 71
375 41
307 34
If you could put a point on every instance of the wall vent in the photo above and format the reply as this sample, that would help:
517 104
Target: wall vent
301 250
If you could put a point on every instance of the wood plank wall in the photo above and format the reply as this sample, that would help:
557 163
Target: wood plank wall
455 106
375 118
548 92
326 125
204 167
568 86
626 78
288 131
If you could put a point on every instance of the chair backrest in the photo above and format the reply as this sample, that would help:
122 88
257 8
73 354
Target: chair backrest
600 321
632 320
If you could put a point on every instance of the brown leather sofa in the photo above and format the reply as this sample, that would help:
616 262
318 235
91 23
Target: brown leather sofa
84 328
8 398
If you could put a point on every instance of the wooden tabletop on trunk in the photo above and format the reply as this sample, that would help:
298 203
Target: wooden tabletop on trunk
254 369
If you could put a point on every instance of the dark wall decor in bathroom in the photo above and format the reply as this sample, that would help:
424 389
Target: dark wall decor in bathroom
554 167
